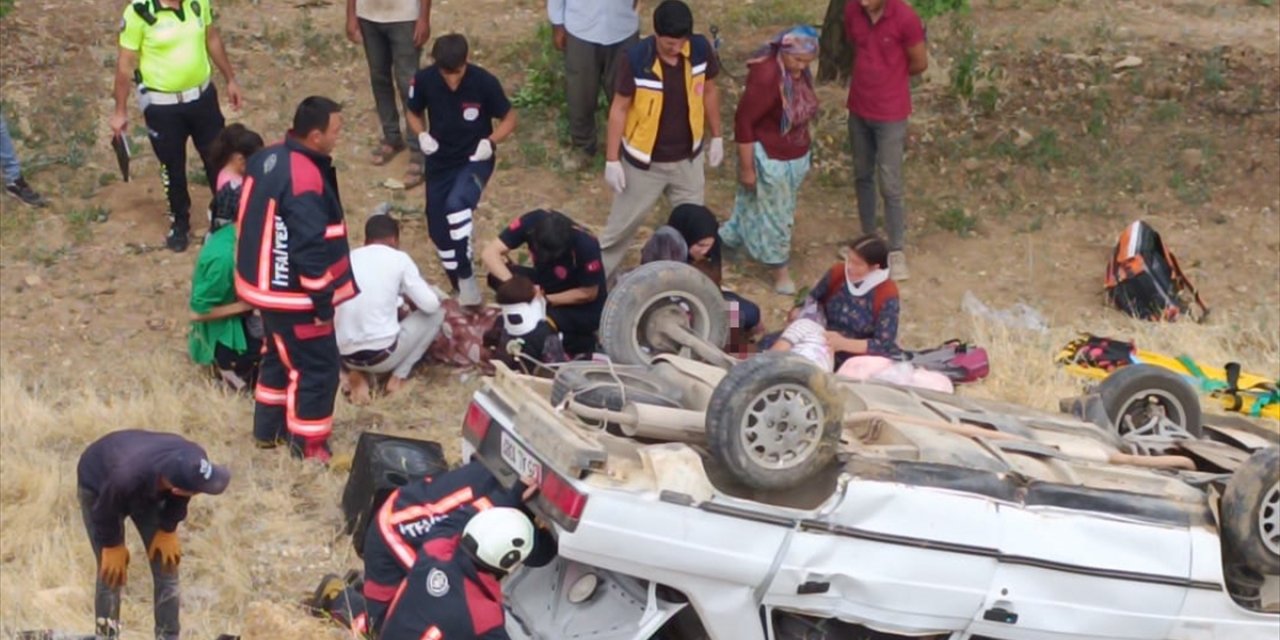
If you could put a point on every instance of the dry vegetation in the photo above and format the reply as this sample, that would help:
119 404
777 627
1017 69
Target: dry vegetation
91 329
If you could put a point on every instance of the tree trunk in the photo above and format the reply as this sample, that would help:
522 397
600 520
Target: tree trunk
835 55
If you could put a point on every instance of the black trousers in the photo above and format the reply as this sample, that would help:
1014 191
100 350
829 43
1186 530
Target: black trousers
106 600
297 379
169 126
452 197
578 325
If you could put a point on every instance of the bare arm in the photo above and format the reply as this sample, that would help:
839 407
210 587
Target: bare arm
353 24
617 121
126 62
494 258
711 99
422 27
581 295
917 58
505 127
416 123
222 311
218 53
846 345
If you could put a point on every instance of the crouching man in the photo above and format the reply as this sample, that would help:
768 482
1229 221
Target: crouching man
453 593
148 477
376 334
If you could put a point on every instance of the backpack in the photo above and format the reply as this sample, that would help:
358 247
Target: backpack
879 295
958 361
1144 280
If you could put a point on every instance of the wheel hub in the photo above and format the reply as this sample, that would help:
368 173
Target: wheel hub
1269 519
782 426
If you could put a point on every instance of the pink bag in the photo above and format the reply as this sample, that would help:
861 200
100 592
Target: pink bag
958 361
900 373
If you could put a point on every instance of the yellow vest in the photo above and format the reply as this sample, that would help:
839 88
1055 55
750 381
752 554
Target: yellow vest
640 133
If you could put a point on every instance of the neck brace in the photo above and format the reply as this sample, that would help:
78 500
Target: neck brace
873 280
522 318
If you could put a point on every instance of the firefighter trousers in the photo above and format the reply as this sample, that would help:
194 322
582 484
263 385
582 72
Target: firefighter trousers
297 380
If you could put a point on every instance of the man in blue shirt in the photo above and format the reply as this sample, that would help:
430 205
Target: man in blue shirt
592 34
458 139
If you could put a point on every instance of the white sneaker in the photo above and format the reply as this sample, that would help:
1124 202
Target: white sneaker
898 266
469 293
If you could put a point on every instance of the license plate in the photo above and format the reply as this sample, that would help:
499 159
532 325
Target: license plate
520 459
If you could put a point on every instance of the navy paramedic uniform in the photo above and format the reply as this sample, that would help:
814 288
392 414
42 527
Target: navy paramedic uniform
446 597
580 267
458 119
292 263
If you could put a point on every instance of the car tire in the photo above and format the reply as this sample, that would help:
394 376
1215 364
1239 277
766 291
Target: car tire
656 288
603 387
1251 512
1135 390
758 446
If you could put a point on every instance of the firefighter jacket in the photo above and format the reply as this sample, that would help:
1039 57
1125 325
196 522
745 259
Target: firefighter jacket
291 250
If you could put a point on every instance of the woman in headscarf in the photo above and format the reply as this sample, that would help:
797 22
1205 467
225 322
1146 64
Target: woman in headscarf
697 226
772 130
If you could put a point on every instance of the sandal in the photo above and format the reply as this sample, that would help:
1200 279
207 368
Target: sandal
383 154
413 175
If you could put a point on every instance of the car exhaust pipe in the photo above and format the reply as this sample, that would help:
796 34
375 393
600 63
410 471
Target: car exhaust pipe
649 421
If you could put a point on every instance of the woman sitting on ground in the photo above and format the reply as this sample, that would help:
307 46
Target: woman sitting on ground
698 227
857 302
224 331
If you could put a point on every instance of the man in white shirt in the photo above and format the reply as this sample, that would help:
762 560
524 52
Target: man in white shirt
393 33
592 34
376 334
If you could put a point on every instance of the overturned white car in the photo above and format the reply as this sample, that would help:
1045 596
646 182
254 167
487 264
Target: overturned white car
767 499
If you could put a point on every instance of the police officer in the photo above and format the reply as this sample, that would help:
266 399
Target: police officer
453 591
148 477
292 263
166 47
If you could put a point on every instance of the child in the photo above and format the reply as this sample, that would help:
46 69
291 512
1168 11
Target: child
806 338
224 331
527 337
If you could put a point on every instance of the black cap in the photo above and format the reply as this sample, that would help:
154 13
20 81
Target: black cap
673 19
192 471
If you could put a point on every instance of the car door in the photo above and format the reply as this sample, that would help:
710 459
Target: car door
1077 575
896 557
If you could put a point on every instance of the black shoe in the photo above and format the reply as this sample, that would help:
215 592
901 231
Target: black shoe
23 191
177 239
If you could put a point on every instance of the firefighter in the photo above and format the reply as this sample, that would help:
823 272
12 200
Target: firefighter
292 263
419 511
148 477
453 591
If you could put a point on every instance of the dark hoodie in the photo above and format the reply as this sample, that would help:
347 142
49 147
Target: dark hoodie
123 469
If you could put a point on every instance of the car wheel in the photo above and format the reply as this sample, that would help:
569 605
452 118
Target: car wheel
652 294
774 420
1146 400
603 387
1251 512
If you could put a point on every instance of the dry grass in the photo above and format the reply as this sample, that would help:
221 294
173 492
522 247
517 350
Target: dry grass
252 553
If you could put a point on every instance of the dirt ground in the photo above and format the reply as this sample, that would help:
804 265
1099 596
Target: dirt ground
1040 131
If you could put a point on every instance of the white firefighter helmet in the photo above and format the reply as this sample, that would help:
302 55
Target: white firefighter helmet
500 537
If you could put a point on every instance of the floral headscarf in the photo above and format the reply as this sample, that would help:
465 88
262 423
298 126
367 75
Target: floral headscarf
799 100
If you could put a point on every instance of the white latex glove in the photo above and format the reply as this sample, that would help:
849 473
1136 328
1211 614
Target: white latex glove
484 151
614 177
715 154
427 144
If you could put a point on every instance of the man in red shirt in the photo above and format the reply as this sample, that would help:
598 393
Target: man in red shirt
888 48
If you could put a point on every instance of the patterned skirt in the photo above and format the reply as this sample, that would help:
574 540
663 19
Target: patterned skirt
762 221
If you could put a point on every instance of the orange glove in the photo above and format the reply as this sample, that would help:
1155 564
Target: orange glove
165 545
114 565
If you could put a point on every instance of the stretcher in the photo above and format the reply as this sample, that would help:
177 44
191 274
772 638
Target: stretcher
1247 393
